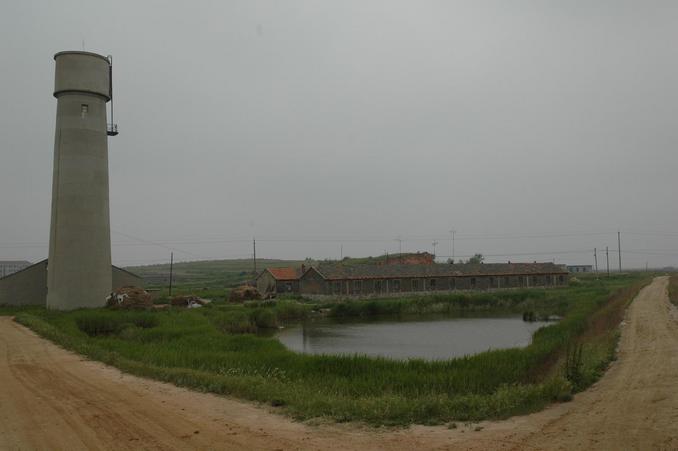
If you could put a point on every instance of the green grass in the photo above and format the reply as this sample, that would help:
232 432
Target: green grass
206 349
539 301
11 310
207 278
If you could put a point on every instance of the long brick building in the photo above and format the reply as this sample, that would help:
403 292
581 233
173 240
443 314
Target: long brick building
367 280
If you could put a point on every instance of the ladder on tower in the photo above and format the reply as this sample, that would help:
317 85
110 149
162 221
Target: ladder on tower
112 127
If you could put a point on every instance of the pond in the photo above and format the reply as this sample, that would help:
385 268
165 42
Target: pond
434 338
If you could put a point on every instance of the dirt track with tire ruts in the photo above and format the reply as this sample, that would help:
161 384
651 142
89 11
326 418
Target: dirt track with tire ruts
53 399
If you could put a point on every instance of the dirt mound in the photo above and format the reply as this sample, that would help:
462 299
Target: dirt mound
188 301
129 298
244 293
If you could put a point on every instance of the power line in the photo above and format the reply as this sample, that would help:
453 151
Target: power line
157 244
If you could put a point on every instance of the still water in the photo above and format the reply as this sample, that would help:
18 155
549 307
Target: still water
433 338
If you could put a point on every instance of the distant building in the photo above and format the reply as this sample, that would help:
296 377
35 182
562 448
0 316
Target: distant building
579 268
8 267
279 280
29 286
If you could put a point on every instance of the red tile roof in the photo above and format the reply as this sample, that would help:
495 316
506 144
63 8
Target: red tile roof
341 272
284 273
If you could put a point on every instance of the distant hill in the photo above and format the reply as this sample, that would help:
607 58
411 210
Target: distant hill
411 258
231 273
206 273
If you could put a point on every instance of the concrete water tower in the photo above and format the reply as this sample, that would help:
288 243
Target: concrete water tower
79 265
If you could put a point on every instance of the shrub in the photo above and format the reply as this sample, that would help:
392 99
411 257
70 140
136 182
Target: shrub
289 310
234 322
100 322
98 325
264 318
145 320
573 365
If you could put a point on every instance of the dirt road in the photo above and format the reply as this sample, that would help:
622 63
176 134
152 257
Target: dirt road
53 399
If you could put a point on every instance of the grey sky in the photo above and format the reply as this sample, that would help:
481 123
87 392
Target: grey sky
356 122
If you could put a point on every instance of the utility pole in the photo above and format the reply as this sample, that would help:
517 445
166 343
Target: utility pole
341 252
435 243
254 253
171 268
595 258
607 256
619 248
452 232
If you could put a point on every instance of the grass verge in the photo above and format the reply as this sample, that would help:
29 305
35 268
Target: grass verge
673 289
192 348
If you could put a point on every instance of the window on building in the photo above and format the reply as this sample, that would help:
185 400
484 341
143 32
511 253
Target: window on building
377 285
432 284
473 282
288 286
84 108
453 283
534 280
415 285
395 285
357 285
561 279
491 281
336 287
506 281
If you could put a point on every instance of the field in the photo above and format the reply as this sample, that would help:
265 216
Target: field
210 349
210 278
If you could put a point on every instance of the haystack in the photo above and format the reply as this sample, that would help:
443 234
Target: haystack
244 293
129 298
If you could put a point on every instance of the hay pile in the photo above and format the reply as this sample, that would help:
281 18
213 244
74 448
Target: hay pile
129 298
244 293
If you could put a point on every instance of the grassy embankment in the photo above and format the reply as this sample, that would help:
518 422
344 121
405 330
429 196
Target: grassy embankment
202 349
673 289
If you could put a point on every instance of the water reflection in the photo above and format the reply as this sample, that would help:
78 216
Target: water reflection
430 338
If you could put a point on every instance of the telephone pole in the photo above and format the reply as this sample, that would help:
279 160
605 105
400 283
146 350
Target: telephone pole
171 268
452 232
435 243
595 258
619 248
607 256
254 254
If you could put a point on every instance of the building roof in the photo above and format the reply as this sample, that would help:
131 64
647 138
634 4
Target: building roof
338 272
41 262
285 273
44 262
15 262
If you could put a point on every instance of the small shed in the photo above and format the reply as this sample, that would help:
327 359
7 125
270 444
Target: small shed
279 280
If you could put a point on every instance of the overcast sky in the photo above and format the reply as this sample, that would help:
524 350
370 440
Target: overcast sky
535 129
